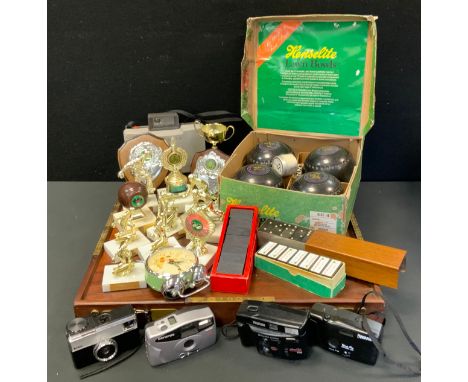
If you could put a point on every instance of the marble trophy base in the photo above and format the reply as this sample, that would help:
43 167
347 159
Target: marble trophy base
151 203
214 237
111 247
177 231
181 203
134 280
208 258
144 219
145 251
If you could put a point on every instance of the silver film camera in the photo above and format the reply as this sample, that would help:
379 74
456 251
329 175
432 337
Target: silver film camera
100 338
179 335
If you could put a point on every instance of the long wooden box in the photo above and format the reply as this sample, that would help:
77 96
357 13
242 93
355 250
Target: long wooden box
365 260
90 298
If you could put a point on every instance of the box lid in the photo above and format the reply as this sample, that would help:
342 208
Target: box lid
310 74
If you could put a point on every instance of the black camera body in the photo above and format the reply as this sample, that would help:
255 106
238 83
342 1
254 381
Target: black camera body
100 338
275 330
341 332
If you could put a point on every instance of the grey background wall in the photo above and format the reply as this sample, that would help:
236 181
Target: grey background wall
110 62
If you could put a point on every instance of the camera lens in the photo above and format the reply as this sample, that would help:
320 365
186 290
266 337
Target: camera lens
189 343
105 350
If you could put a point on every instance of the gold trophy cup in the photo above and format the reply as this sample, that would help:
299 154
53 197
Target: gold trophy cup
214 133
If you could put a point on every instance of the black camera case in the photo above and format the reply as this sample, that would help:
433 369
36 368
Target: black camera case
275 330
341 332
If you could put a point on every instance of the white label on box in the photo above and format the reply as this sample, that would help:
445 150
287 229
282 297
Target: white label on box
323 221
287 254
331 268
319 266
291 331
298 257
308 261
267 248
277 251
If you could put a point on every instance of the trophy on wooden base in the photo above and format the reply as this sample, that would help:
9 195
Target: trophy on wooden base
208 164
140 161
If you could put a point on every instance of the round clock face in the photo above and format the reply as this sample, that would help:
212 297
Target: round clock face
153 163
172 261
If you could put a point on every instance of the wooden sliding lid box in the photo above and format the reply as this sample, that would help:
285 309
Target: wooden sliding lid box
364 260
307 81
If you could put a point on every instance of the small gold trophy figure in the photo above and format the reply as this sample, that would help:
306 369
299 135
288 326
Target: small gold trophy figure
203 199
199 220
124 237
173 159
139 170
160 238
167 219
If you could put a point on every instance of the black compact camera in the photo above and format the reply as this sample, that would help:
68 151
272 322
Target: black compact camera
275 330
342 332
100 338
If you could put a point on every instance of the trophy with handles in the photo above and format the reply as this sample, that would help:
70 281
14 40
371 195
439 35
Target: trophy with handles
208 164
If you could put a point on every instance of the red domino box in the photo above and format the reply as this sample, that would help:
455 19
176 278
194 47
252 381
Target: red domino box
235 283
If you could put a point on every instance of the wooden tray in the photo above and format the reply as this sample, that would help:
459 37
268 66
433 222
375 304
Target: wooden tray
90 298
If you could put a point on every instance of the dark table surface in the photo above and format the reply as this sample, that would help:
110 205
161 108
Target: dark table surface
388 213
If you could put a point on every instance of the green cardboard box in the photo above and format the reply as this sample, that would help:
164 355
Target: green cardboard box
307 81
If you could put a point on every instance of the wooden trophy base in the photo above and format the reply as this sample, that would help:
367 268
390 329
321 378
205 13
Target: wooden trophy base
201 153
90 297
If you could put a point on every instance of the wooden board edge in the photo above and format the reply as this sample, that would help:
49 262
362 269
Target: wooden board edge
98 249
83 307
